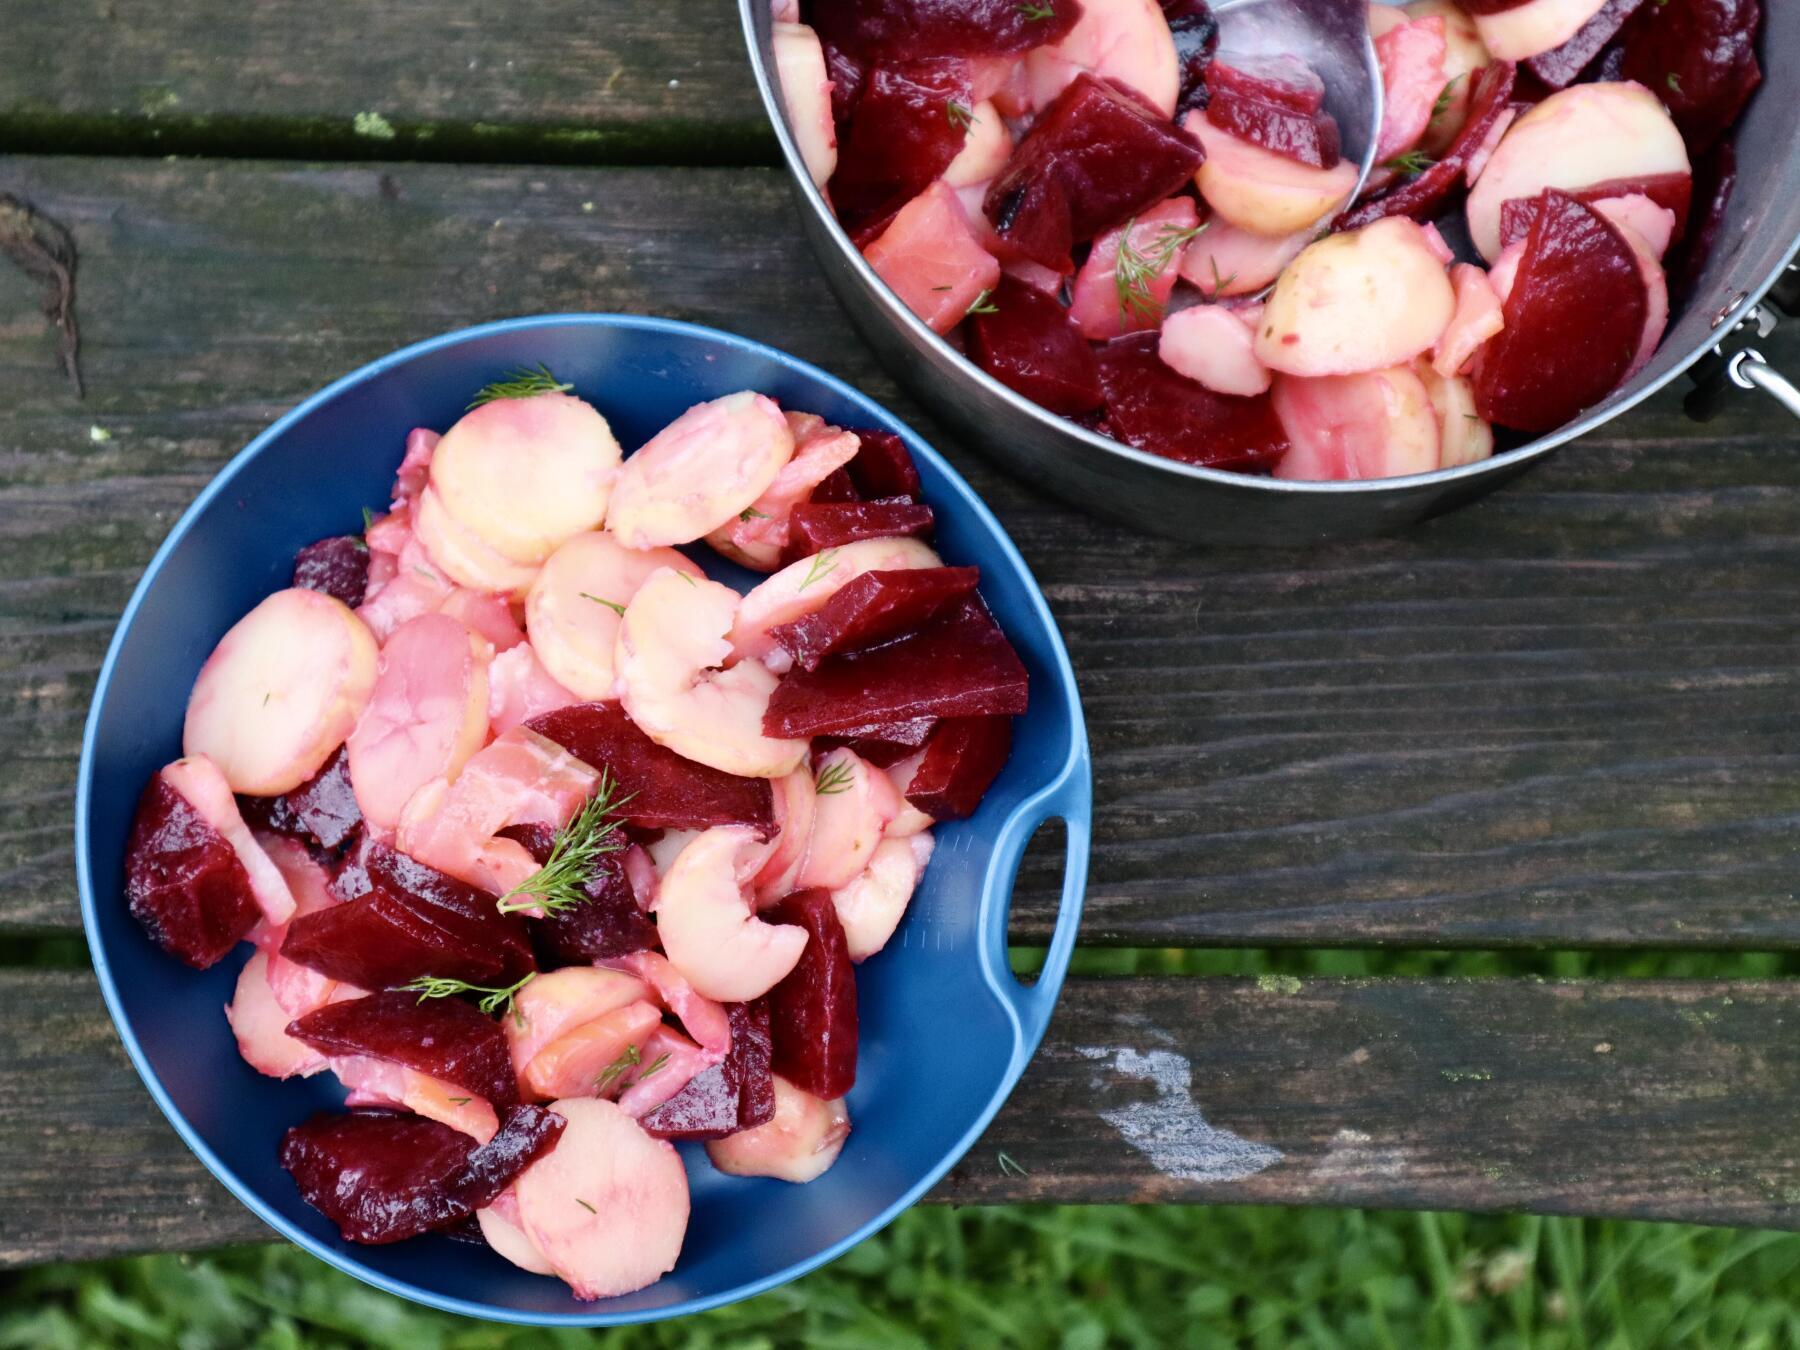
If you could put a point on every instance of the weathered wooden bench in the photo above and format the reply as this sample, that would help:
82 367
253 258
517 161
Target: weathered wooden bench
1562 719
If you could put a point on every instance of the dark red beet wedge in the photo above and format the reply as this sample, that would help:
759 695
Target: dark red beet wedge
666 791
1154 408
1559 67
883 467
1106 156
183 881
454 908
1699 58
1284 81
738 1094
873 607
815 528
322 810
1578 289
372 943
526 1133
350 876
1196 34
1490 6
836 486
812 1012
1306 138
1715 176
443 1037
1028 343
1422 198
961 666
611 923
1671 190
908 30
882 744
903 135
962 760
338 566
847 75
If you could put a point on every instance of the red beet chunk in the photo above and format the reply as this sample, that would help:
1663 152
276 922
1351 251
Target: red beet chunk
812 1012
372 943
350 877
183 881
1157 409
738 1094
836 486
1559 67
454 908
1285 81
883 743
443 1037
1028 343
378 1175
322 810
338 566
1490 6
814 528
1196 34
1422 198
611 923
908 30
883 467
1578 290
1671 190
1699 58
1307 138
873 607
526 1133
961 666
1107 158
1715 175
903 135
666 790
962 760
847 75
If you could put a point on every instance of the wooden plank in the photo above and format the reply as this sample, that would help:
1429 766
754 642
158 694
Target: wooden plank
569 80
1647 1100
1564 716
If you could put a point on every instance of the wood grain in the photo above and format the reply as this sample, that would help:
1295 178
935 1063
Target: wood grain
1564 716
574 80
1649 1100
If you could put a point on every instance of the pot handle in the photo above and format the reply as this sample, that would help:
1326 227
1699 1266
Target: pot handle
1749 369
1726 368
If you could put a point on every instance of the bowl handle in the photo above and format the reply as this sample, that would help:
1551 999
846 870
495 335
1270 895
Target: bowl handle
1071 799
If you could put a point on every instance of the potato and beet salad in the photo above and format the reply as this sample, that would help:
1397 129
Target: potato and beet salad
552 849
1152 235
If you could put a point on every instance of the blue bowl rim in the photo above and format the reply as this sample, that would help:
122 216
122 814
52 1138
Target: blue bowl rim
1068 793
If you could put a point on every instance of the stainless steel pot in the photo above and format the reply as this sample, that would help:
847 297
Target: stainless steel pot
1093 472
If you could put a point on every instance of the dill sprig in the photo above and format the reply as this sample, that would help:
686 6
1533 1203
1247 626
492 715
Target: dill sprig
982 304
822 566
750 513
368 520
613 605
1220 283
1037 13
1135 269
835 778
1442 105
961 116
494 1000
1412 163
594 832
656 1066
1673 81
629 1058
1009 1167
521 383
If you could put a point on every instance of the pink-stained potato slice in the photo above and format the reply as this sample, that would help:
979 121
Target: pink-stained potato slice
1362 300
415 465
297 988
1215 346
802 587
671 646
1225 261
575 606
280 692
1465 436
681 1062
428 715
260 1025
378 1082
707 926
799 1145
1262 192
871 906
1376 424
462 555
1476 319
523 474
806 93
1534 27
1656 293
1654 225
931 256
1104 307
705 468
485 615
760 533
201 784
986 148
519 689
1464 56
796 803
911 819
607 1207
580 1063
1412 76
556 1002
1124 40
1579 137
854 803
501 1226
705 1019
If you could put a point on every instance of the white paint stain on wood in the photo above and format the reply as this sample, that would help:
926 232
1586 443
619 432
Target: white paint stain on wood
1170 1130
1353 1155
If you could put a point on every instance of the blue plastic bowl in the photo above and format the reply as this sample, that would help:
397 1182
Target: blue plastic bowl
946 1028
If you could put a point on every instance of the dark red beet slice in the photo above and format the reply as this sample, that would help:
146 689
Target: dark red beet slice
372 942
903 135
1298 136
884 743
1699 58
1196 34
873 607
883 467
381 1176
1715 175
1157 409
460 911
1578 289
962 760
836 486
1424 197
1671 190
338 566
812 1012
323 809
350 877
1285 81
1028 343
847 75
611 923
1559 67
183 881
443 1037
815 528
961 666
738 1094
907 30
1108 156
666 790
1490 6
